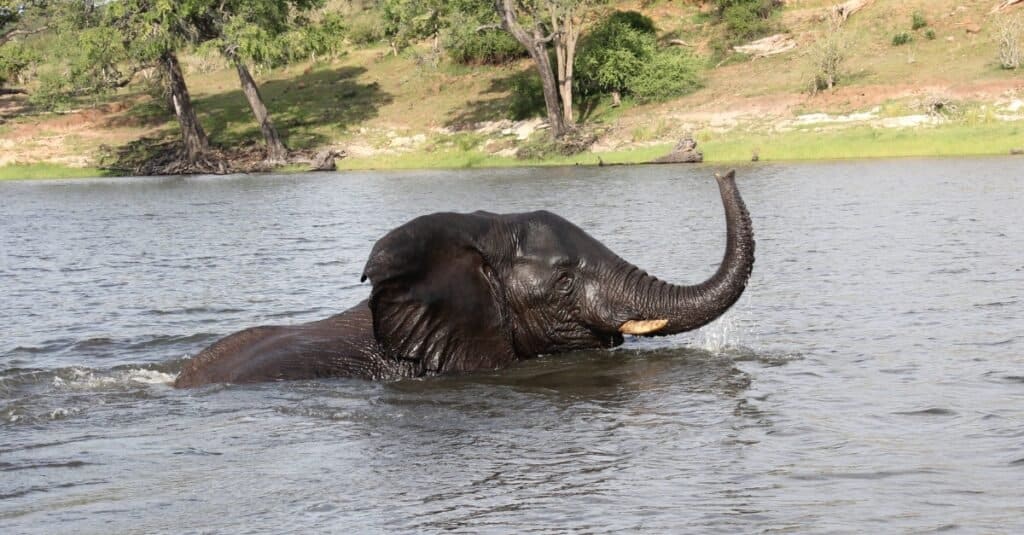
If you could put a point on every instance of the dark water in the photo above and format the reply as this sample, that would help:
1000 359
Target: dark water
872 378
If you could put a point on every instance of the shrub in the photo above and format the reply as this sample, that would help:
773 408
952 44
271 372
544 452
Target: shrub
929 34
365 28
613 53
746 19
634 19
917 21
465 45
620 55
901 38
1008 34
671 73
827 57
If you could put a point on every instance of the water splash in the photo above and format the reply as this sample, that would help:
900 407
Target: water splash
719 335
88 379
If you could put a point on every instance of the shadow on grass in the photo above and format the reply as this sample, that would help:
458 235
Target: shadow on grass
324 99
302 108
519 97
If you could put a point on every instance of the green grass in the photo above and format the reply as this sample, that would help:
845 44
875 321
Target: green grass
33 171
857 142
866 142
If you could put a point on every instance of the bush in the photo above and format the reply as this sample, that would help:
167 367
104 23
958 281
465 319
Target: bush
613 53
365 28
15 58
827 57
929 34
746 19
671 73
1008 33
901 38
465 45
634 19
620 54
918 21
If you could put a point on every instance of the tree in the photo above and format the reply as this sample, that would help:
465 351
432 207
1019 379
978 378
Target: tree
540 23
151 33
615 51
18 20
269 33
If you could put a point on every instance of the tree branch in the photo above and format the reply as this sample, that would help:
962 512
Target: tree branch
11 34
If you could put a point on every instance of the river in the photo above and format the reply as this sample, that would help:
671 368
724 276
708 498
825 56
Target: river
870 379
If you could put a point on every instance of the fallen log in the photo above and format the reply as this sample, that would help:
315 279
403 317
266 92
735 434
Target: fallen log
846 9
769 46
1004 5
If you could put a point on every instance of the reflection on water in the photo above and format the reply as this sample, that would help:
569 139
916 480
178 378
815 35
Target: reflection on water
872 375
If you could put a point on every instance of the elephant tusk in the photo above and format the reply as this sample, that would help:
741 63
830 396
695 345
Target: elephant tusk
642 326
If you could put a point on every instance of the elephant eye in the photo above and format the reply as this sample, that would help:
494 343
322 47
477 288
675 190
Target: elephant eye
564 282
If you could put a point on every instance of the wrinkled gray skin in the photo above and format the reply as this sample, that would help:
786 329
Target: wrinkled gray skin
455 293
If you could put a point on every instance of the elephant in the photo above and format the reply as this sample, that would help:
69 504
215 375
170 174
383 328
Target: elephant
460 292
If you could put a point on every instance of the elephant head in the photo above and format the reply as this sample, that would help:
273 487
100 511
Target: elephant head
461 292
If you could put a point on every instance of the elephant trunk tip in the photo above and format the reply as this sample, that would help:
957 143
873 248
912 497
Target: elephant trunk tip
729 176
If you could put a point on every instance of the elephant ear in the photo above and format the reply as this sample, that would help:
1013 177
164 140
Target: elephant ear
435 300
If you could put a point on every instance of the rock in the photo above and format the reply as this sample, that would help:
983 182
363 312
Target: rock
1016 152
684 152
324 160
755 157
972 27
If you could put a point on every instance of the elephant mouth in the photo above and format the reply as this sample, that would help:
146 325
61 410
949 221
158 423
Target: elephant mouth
607 340
642 327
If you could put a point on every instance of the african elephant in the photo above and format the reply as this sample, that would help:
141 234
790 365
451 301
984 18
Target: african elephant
454 293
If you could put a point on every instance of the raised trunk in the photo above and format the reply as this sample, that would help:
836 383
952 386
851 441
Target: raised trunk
276 151
192 135
668 309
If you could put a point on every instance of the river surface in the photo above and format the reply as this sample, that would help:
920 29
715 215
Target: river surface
870 379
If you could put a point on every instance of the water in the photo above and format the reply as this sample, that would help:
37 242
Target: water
872 377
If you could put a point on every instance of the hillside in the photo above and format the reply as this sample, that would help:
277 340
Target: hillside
943 93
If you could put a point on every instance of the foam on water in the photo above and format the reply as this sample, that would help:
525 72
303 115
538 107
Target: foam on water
88 379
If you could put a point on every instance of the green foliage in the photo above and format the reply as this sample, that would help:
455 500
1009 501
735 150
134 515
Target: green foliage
633 19
620 54
901 39
746 19
613 53
408 20
671 73
468 46
15 58
365 28
918 21
929 34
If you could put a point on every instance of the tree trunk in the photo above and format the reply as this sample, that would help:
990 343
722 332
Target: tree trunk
192 134
552 102
537 46
276 150
565 34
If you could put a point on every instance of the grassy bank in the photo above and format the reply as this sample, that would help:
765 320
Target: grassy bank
402 112
735 146
35 171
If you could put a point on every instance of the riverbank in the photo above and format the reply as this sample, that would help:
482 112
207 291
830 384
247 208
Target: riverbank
943 95
859 142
